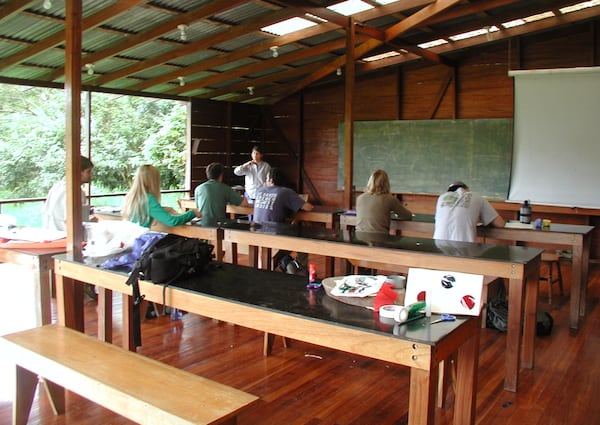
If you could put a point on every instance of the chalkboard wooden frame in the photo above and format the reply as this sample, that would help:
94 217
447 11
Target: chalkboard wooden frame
424 156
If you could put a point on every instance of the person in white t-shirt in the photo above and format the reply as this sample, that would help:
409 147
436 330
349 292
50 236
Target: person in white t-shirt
459 211
54 214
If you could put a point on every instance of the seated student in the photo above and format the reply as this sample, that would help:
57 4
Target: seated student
459 211
374 206
142 206
142 202
276 203
54 214
213 195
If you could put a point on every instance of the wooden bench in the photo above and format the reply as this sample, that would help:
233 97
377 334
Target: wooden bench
116 379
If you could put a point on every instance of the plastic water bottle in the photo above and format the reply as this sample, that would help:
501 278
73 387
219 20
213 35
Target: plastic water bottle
525 213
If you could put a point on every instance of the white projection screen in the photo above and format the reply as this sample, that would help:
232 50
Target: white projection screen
556 153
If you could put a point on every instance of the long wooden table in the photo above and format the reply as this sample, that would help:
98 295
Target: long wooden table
320 214
40 261
281 306
520 265
576 237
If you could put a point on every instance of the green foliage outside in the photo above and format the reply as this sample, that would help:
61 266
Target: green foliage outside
126 132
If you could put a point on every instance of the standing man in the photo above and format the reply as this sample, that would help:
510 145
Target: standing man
459 211
255 172
213 195
54 214
278 204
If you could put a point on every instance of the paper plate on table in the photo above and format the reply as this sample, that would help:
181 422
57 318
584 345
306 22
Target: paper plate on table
329 283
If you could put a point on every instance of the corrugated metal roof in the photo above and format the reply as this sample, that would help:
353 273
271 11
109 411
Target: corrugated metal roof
98 39
28 28
196 57
136 20
242 41
242 13
148 50
224 48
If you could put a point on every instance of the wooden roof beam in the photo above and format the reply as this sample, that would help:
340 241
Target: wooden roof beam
198 45
239 54
260 66
155 32
392 32
13 7
59 37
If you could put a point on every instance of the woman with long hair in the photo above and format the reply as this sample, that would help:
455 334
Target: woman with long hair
375 205
142 202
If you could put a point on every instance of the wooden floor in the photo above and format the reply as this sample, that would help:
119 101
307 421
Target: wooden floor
307 384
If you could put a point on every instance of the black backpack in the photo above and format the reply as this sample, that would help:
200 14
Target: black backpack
165 261
497 318
497 314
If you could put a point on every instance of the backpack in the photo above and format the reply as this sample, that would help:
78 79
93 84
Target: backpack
497 314
544 323
173 257
497 318
126 262
164 261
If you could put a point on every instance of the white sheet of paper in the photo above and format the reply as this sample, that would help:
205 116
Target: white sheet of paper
32 234
451 292
517 225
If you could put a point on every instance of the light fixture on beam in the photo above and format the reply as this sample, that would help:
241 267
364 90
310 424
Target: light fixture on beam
90 68
275 51
182 31
250 90
488 33
181 81
338 72
47 4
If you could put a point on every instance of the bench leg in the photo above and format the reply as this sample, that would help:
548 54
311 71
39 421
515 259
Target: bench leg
25 389
56 394
268 343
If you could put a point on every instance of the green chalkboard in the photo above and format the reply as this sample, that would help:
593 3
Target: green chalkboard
425 156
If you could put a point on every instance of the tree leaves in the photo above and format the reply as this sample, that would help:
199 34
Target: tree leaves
126 132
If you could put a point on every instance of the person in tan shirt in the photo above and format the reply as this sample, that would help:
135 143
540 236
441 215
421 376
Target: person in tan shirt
375 205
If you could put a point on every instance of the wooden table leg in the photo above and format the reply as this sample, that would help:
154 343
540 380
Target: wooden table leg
576 288
423 389
105 310
466 381
253 256
530 315
513 334
127 302
585 266
42 275
69 303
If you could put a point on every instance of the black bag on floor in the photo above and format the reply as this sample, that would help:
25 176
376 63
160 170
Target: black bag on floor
544 323
497 318
164 261
497 314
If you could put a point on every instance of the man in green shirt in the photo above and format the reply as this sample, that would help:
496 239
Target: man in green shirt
213 195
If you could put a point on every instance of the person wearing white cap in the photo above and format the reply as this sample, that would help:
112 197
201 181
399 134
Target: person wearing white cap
459 211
